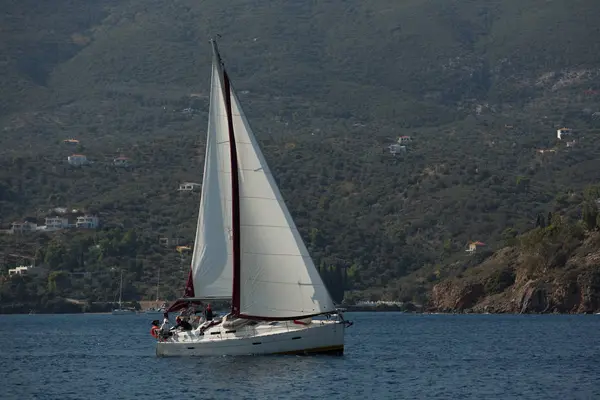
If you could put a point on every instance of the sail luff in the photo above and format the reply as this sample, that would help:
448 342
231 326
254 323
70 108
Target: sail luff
121 289
235 198
234 180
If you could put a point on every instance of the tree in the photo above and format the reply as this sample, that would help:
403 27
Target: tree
589 215
540 222
509 236
58 282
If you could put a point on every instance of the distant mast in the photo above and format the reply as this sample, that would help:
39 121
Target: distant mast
121 289
157 284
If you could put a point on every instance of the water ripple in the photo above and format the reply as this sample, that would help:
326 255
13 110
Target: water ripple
389 356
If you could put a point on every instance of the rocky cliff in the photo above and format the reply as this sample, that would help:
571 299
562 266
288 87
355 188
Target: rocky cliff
554 269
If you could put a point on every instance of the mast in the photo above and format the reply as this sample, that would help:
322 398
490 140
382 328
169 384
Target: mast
235 189
157 284
120 289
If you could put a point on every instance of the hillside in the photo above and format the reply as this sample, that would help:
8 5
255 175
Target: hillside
479 86
552 268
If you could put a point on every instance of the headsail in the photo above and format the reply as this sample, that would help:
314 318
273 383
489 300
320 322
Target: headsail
212 270
278 279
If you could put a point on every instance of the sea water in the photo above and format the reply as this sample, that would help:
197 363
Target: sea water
388 356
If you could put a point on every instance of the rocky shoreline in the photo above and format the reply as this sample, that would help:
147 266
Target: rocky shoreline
525 282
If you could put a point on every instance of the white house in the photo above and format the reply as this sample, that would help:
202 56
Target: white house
87 222
121 161
396 148
25 270
562 132
544 151
188 186
473 246
77 159
56 223
404 139
23 227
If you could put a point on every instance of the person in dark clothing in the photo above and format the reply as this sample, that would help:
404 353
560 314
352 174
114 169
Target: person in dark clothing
182 324
208 314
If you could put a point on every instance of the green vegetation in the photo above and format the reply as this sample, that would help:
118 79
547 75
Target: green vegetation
327 86
551 268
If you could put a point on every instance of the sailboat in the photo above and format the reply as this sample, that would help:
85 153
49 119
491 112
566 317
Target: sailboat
156 310
120 310
248 250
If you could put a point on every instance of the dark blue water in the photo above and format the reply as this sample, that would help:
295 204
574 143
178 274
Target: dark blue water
388 356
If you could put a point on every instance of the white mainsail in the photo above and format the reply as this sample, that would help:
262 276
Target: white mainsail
212 260
278 278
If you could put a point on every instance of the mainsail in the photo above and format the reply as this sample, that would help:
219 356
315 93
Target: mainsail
212 268
247 245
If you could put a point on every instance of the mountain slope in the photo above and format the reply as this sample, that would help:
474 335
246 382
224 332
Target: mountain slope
479 85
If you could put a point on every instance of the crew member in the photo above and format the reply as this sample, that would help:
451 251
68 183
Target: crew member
155 330
208 313
182 324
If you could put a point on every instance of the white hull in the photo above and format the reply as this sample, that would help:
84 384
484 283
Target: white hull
325 336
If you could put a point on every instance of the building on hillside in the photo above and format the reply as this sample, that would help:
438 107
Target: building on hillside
563 132
472 247
181 249
374 304
71 141
188 186
77 160
87 222
169 241
404 139
56 223
21 227
396 148
546 151
26 270
121 161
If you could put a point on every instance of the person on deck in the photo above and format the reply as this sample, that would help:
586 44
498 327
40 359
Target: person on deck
165 325
183 324
155 330
208 313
